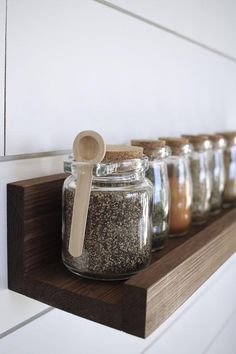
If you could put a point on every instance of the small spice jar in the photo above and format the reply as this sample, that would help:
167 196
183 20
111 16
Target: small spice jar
118 231
229 194
157 153
202 177
217 168
180 183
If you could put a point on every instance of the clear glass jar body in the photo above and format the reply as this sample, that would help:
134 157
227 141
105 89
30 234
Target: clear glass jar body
218 173
118 231
158 175
202 177
229 194
180 183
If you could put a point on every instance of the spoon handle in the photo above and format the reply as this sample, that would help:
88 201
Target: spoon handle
80 210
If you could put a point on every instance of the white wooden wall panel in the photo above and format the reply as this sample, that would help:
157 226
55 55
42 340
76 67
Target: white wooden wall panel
210 22
76 65
73 65
2 70
200 324
15 309
225 341
17 170
189 330
231 121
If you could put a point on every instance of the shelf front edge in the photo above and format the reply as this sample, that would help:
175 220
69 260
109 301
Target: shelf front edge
157 292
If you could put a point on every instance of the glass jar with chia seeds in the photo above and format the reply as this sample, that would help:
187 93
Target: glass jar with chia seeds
180 183
218 171
118 231
202 177
229 194
157 153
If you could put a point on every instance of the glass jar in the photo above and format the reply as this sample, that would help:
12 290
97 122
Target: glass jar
229 194
157 153
118 231
180 183
202 177
68 163
218 172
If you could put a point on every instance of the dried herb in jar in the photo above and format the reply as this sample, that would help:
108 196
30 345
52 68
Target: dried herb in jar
160 209
229 194
202 176
201 192
216 198
217 170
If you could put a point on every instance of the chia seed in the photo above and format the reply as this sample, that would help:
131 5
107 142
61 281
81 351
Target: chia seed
117 239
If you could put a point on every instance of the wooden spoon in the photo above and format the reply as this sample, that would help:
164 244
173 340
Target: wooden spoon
89 148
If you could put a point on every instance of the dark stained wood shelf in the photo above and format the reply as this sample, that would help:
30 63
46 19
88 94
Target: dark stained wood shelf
137 306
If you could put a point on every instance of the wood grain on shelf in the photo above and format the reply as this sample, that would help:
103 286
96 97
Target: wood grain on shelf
138 305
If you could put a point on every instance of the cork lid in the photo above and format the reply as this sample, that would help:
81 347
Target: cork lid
122 152
172 141
218 140
228 134
215 137
196 138
148 144
200 142
178 145
230 137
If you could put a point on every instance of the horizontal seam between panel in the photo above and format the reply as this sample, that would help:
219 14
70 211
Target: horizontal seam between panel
165 29
26 322
34 155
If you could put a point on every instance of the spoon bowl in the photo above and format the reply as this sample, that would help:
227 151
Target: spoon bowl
89 147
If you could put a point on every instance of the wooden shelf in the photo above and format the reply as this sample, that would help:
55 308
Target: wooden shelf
137 306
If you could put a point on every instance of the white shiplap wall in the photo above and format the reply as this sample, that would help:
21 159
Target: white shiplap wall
12 171
14 308
208 22
87 65
2 72
76 64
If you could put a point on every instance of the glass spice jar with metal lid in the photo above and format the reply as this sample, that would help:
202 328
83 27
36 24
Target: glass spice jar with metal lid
157 153
216 160
229 194
202 177
118 239
180 184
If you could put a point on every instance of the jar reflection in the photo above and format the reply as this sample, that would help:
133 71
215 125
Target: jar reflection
157 154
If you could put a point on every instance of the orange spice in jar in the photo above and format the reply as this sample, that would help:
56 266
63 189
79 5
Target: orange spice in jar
180 214
180 183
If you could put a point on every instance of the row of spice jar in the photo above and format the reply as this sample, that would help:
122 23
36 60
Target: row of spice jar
144 192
